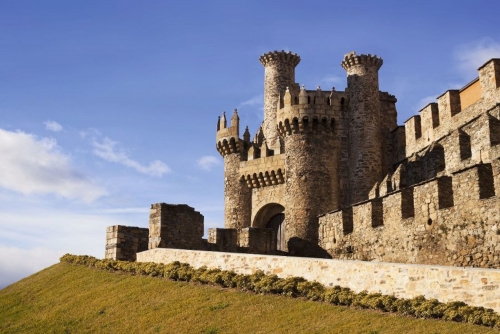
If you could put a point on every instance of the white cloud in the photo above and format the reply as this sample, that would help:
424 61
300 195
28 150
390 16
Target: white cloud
108 150
16 263
425 101
332 80
254 101
124 210
37 166
472 55
34 238
207 162
53 126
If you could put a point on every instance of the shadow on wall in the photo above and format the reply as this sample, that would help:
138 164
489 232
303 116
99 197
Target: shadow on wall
304 248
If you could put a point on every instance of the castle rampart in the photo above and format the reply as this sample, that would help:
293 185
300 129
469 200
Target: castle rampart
449 220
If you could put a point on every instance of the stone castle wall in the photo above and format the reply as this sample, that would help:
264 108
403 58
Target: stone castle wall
447 220
477 287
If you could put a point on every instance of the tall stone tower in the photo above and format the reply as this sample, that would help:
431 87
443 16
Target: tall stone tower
307 122
279 74
364 128
237 196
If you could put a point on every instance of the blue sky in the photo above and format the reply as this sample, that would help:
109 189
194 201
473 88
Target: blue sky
109 106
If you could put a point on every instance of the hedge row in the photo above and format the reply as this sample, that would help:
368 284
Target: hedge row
298 287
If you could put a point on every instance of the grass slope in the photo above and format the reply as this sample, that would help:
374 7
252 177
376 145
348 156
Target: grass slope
68 298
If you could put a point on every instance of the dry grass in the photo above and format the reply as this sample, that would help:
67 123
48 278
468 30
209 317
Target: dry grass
74 299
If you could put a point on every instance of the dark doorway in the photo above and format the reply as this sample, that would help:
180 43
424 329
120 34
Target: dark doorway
276 223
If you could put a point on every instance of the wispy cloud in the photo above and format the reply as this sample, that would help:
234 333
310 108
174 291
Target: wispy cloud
52 126
124 210
254 101
331 80
425 101
207 162
16 263
472 55
109 150
37 166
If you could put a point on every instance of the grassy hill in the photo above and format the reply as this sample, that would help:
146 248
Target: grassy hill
69 298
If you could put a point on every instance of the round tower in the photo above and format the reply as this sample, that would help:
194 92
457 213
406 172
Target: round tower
279 74
311 166
237 195
364 134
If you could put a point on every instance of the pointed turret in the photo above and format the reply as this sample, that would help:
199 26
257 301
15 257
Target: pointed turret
303 97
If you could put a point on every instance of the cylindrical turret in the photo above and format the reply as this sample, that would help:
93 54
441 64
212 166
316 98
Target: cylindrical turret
311 189
365 142
237 195
279 74
311 165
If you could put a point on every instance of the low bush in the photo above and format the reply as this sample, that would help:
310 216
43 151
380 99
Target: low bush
259 282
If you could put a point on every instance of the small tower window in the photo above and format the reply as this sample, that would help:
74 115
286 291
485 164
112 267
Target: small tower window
342 102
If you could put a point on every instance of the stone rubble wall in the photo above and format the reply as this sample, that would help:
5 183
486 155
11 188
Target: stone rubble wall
474 286
123 242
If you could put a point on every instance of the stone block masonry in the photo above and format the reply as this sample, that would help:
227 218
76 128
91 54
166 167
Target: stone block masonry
477 287
175 226
123 242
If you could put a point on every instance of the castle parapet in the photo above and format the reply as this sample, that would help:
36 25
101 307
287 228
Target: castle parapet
352 59
281 57
454 108
227 137
310 111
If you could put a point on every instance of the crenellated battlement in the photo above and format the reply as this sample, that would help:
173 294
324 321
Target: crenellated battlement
284 57
454 109
227 137
436 221
352 59
310 111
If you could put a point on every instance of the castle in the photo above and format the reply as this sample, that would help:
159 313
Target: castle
330 174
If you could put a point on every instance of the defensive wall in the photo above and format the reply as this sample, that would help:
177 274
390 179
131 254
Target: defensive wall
474 286
441 204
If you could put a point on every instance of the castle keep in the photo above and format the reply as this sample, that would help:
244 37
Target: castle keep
331 174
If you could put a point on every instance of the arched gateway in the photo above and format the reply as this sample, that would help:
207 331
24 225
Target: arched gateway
272 216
